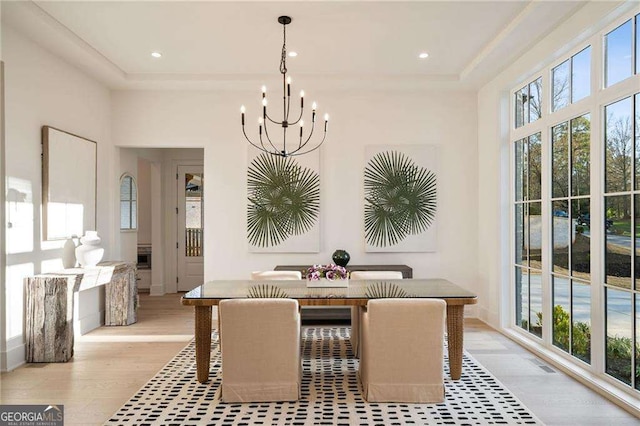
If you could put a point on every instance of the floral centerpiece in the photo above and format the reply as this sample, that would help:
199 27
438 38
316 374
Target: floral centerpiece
331 275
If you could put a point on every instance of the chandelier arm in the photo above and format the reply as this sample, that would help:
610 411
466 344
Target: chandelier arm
301 145
266 133
299 117
249 140
271 120
296 153
262 144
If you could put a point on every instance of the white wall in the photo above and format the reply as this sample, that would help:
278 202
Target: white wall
211 120
3 310
43 90
494 174
144 201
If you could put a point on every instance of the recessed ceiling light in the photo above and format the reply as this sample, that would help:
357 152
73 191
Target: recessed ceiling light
293 54
156 54
423 55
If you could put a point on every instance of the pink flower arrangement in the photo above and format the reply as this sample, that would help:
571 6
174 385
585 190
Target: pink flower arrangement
330 272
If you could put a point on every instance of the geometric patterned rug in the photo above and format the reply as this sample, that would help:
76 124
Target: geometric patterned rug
331 394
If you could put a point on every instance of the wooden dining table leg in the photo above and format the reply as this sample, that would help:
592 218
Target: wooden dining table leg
203 342
455 333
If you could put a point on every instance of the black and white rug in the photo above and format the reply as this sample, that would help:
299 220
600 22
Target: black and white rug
331 394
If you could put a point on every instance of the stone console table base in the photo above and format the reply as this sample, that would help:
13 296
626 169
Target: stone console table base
49 330
121 296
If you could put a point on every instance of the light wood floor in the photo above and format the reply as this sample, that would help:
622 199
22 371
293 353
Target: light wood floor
111 363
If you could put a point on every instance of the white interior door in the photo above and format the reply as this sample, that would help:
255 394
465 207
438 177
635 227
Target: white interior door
190 209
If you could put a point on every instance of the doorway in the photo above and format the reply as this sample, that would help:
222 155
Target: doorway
190 212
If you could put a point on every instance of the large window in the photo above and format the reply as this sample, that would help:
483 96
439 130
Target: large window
576 205
622 237
528 101
571 236
528 235
571 80
618 54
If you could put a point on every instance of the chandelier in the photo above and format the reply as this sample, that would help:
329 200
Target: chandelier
296 147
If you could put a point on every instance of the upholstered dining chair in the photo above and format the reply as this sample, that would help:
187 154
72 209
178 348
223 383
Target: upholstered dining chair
402 357
276 275
356 311
260 345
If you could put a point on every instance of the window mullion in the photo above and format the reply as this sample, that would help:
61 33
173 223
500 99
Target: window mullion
547 230
597 207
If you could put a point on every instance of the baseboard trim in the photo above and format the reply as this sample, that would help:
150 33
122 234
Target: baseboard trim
157 290
12 358
87 323
488 317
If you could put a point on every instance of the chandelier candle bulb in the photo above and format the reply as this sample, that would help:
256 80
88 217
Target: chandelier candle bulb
264 91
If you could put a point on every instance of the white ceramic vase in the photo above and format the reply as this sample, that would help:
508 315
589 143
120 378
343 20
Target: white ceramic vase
89 253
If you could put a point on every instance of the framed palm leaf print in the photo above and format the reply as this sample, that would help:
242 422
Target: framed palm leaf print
283 203
400 198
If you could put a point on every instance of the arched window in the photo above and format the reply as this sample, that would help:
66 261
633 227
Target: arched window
128 203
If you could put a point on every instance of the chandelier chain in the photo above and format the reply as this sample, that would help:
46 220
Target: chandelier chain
283 58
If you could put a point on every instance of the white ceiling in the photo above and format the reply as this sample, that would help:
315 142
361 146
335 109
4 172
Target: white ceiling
218 43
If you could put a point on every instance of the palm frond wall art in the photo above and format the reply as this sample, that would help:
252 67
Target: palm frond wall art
283 205
400 199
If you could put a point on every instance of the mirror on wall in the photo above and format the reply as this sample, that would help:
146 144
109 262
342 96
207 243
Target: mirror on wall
68 184
128 203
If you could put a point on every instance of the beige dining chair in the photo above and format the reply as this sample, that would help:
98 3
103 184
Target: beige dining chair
356 311
402 357
260 345
276 275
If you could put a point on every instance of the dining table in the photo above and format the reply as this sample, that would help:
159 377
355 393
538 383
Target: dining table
357 293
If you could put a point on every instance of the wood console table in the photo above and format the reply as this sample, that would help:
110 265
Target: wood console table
49 306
